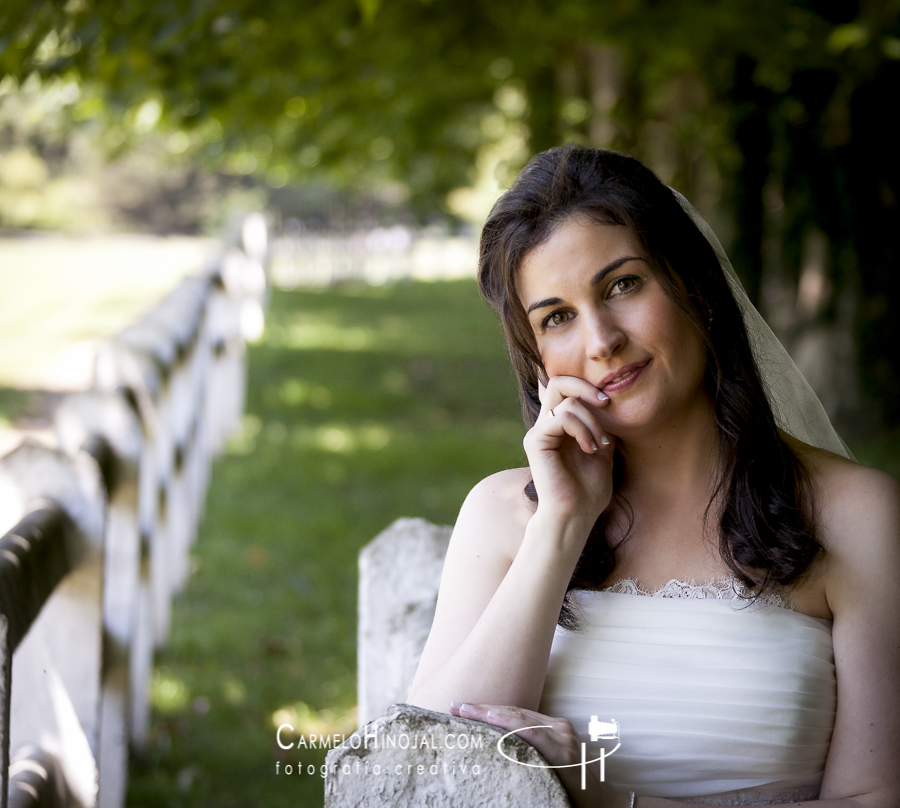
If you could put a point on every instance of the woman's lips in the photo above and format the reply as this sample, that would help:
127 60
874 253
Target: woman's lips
625 381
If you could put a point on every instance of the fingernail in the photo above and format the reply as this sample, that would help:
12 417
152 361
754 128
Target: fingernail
602 396
491 714
593 446
466 708
604 440
454 705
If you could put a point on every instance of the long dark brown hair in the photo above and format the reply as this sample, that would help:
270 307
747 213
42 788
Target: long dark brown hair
766 534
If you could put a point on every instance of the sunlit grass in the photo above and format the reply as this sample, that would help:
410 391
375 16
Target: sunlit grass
301 720
62 292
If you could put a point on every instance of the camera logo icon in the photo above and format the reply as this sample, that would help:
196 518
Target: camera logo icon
603 730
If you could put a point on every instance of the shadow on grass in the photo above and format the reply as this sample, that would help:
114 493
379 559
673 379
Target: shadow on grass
28 409
364 405
14 404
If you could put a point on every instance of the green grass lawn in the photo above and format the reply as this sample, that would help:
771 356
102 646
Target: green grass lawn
365 405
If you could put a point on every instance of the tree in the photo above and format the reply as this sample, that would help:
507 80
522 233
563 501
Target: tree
769 114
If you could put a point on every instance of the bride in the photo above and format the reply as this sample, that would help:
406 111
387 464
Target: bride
689 553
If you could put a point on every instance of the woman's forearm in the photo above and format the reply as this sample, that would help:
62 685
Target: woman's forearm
504 658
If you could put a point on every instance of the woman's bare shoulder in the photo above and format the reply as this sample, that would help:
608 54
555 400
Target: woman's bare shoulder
497 510
857 514
858 517
848 495
506 486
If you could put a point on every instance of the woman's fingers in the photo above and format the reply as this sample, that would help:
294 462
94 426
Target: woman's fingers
569 418
570 394
556 427
569 452
499 715
559 388
504 716
512 718
554 738
572 417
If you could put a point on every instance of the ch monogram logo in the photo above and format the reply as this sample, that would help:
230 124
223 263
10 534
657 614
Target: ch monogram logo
598 730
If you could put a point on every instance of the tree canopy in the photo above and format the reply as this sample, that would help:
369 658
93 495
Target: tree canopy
769 114
406 88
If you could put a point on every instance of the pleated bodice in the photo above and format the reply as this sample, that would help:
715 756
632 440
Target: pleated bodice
716 699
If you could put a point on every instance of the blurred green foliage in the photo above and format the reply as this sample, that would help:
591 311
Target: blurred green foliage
67 165
401 89
768 114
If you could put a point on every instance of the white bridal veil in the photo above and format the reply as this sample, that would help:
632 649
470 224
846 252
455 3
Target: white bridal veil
797 408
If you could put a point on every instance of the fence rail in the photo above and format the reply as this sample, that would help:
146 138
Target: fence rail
101 528
375 256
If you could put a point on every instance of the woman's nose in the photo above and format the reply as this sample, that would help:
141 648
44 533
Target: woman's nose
604 337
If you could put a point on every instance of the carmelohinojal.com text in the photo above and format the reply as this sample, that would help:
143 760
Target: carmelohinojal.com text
373 741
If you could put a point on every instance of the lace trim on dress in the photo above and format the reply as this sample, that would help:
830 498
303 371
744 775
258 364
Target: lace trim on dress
728 589
752 797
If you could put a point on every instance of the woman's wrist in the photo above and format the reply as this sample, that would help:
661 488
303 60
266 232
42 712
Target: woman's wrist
558 531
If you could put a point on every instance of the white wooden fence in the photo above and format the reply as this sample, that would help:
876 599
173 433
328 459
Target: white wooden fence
100 529
374 256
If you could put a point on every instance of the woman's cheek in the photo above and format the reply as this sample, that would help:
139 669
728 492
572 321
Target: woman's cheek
559 357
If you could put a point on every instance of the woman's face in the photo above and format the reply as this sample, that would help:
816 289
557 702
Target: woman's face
599 312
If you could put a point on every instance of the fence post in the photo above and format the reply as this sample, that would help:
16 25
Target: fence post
6 655
107 427
402 754
181 317
52 586
140 381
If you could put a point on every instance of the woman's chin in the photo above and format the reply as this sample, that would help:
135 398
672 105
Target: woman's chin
626 421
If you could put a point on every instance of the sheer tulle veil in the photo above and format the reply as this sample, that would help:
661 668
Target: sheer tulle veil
797 408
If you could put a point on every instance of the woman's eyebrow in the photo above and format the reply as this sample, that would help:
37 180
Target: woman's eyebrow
613 265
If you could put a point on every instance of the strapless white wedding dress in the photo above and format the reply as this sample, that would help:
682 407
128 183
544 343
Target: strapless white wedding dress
717 701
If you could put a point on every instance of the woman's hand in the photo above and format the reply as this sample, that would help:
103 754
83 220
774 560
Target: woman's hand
558 743
569 453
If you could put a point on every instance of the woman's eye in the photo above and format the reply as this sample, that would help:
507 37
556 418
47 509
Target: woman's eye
557 318
622 285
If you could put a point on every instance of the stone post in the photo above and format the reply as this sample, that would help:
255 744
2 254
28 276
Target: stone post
415 757
399 576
